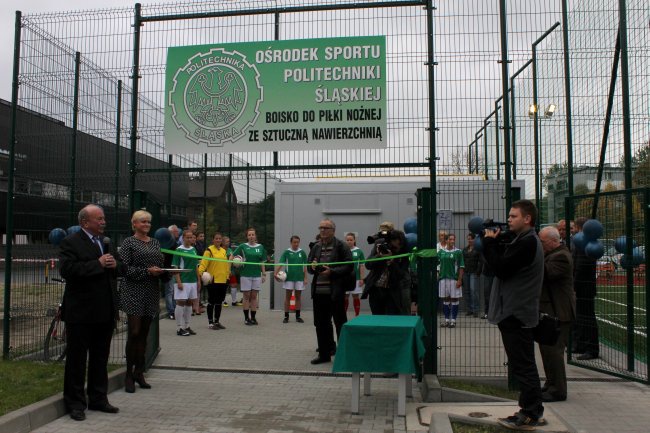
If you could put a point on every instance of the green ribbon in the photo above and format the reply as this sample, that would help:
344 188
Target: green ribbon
415 253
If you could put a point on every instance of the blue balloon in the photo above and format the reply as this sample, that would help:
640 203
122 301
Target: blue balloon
638 256
56 236
165 237
594 249
592 229
475 225
411 240
411 225
621 243
579 241
478 244
73 229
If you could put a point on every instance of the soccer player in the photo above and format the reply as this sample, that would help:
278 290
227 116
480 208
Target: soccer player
296 276
187 283
357 255
450 277
219 271
252 274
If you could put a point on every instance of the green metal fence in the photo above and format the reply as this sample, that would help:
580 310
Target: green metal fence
515 96
616 314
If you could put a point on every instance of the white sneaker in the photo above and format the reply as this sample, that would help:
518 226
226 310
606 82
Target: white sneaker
452 324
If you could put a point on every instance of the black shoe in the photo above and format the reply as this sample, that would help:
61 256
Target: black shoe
190 330
171 317
299 320
139 379
129 384
519 421
106 407
320 360
218 325
286 320
333 352
547 397
254 322
248 322
586 357
78 414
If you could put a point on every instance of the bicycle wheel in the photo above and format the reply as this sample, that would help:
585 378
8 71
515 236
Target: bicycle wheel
55 346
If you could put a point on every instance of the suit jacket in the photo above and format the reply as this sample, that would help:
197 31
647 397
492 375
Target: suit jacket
341 277
90 291
558 280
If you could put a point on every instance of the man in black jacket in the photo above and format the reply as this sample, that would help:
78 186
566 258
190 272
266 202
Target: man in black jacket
585 336
90 310
517 260
328 287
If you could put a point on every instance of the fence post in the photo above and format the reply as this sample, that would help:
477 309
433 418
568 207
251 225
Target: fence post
496 137
567 97
505 101
75 126
205 192
118 133
10 191
431 358
646 232
135 79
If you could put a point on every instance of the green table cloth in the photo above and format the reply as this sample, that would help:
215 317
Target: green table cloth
380 344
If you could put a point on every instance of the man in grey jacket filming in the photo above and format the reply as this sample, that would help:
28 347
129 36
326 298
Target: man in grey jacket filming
517 260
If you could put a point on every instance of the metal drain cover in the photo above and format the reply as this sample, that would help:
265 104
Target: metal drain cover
478 414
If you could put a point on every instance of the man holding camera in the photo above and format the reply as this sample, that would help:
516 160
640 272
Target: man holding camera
517 260
389 282
328 287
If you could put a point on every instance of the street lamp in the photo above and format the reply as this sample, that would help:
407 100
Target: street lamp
550 110
532 110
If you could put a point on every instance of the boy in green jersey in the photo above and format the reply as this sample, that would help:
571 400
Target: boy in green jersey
187 284
450 276
296 276
357 255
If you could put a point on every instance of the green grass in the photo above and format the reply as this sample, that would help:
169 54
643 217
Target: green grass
23 383
468 428
479 388
611 309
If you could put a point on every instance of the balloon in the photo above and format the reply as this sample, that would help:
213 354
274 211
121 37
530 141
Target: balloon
638 256
594 249
592 229
73 229
165 237
411 225
56 236
478 244
621 244
579 241
411 240
475 225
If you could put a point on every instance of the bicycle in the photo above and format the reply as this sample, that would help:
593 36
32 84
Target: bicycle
54 347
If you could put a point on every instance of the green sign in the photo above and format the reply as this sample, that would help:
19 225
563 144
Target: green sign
306 94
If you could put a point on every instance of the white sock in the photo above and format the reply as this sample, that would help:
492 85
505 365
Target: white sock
233 294
178 312
187 314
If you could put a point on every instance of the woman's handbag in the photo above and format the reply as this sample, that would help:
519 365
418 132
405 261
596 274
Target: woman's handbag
547 330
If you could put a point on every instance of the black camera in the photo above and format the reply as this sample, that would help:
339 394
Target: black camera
382 234
382 247
490 224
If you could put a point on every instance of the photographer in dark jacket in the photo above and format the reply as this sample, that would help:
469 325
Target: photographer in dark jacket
517 259
585 332
389 282
328 287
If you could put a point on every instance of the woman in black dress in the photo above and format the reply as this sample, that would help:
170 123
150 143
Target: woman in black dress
139 294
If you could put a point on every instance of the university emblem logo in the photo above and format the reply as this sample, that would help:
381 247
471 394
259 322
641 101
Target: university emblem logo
215 97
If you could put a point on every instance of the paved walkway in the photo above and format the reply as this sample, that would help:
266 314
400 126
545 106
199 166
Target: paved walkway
259 379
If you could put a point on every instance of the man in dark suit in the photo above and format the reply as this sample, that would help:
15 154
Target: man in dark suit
558 299
90 311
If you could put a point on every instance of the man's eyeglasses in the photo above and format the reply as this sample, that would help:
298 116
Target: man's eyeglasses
325 228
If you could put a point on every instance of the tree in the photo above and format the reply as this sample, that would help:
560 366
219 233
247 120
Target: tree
462 162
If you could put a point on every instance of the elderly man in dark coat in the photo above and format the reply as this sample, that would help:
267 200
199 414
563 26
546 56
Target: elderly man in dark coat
558 299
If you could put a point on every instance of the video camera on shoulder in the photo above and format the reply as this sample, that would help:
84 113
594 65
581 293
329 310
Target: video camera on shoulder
380 240
478 225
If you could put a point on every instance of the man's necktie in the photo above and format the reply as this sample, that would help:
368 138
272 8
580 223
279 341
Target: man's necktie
98 243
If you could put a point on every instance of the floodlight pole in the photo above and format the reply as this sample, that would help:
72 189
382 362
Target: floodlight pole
75 128
118 136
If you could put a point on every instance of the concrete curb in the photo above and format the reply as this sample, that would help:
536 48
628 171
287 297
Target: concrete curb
433 392
440 423
29 418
